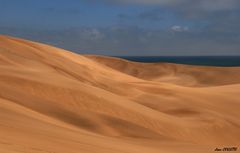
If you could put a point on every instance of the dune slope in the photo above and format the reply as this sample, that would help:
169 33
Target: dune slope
55 101
185 75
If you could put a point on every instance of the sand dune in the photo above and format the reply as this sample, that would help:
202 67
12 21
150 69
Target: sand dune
185 75
55 101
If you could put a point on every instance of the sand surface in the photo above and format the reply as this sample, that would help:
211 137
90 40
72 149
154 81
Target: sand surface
55 101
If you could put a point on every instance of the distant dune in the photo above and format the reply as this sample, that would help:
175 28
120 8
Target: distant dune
55 101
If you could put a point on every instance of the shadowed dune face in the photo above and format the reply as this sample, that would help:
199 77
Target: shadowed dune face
52 100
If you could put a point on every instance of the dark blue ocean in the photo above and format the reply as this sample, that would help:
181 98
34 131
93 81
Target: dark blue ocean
191 60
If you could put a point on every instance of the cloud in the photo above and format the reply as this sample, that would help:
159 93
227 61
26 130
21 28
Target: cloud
146 2
91 34
191 9
177 28
201 4
216 5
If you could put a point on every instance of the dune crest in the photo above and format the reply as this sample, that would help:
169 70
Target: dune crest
53 100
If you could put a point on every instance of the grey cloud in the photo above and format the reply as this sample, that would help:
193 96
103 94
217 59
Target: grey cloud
191 9
200 4
219 4
215 14
148 2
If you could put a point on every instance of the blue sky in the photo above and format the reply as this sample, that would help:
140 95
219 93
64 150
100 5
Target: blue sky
127 27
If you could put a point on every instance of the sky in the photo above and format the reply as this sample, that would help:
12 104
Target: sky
127 27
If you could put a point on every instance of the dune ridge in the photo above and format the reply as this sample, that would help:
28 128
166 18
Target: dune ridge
53 100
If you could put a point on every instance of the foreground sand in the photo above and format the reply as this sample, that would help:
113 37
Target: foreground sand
55 101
